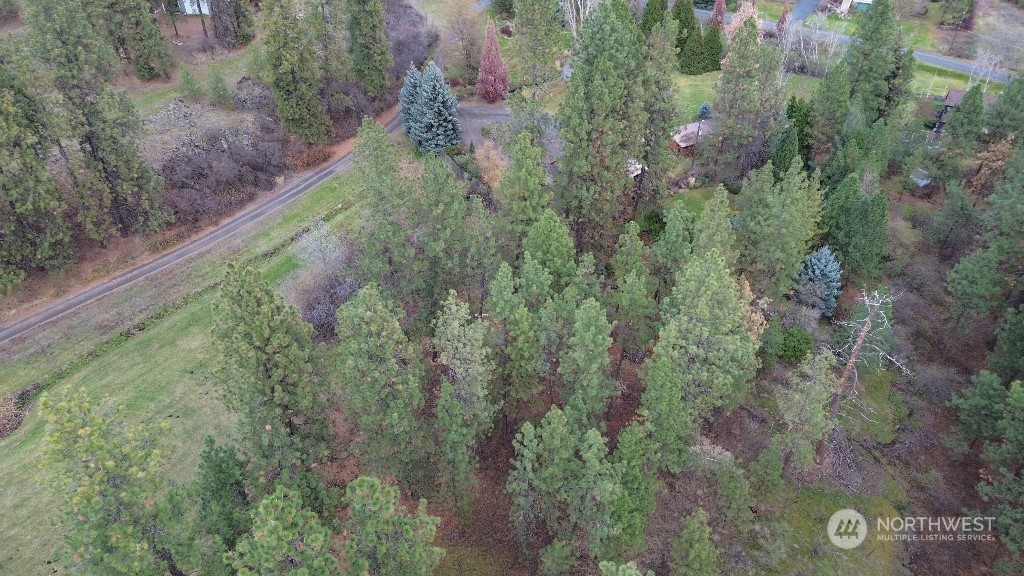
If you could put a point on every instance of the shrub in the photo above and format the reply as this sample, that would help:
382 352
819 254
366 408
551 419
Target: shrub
220 94
310 157
189 86
766 473
796 344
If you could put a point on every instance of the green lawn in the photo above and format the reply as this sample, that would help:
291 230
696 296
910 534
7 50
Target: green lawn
162 373
152 97
937 81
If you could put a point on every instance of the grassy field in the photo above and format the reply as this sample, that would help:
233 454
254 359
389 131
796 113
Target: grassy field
152 97
162 373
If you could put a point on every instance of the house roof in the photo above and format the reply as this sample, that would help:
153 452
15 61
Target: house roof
955 96
686 136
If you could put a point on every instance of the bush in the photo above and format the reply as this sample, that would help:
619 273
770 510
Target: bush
220 94
310 157
189 86
766 473
796 344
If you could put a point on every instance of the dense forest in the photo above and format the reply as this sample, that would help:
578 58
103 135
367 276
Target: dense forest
573 355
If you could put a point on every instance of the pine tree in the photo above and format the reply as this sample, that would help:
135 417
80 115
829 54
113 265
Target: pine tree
232 22
549 241
116 191
635 504
692 553
714 230
1007 114
804 406
955 224
220 491
786 150
296 83
820 279
684 14
747 104
492 82
980 406
1007 359
464 408
534 282
267 378
33 231
654 14
777 223
857 226
704 357
286 540
538 33
369 46
660 105
437 126
130 29
108 476
829 108
380 373
871 59
600 120
586 368
674 247
523 194
385 539
407 97
968 119
632 300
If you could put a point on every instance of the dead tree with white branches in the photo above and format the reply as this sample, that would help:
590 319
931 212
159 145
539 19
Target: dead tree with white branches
870 332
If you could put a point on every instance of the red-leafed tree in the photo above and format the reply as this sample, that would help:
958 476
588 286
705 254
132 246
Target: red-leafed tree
492 81
718 14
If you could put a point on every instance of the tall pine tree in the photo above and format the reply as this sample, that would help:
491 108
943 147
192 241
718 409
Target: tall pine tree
369 45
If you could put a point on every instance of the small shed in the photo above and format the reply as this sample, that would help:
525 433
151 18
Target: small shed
192 7
688 135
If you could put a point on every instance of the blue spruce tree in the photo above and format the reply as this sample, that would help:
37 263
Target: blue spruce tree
435 124
407 97
818 282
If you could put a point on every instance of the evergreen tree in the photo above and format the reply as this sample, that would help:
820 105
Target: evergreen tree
899 78
267 378
786 150
492 81
635 504
820 280
232 22
549 241
804 406
464 408
798 112
704 357
33 230
871 60
538 34
1007 114
980 406
714 230
632 300
380 373
296 84
108 475
857 226
747 104
968 119
586 368
116 191
437 126
684 15
692 553
660 104
384 538
130 29
986 279
711 57
523 194
407 97
717 19
1007 359
828 111
654 14
599 122
692 55
369 45
675 245
220 491
955 224
286 540
777 223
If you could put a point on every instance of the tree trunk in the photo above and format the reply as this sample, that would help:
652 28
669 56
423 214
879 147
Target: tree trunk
845 378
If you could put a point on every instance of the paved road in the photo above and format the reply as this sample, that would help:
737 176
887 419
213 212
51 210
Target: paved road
803 9
930 58
482 115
